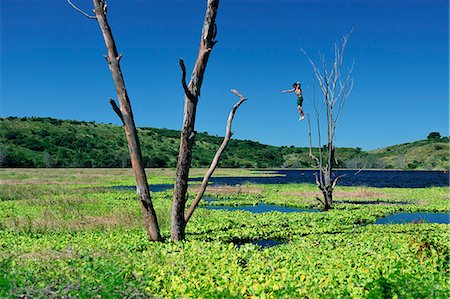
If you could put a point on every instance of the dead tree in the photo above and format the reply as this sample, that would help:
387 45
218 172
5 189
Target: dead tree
126 116
216 158
192 93
335 88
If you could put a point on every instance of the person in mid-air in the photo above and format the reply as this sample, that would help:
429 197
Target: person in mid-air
298 91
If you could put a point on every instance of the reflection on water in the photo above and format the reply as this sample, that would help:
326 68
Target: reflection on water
400 218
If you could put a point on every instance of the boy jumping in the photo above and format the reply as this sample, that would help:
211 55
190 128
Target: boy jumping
298 91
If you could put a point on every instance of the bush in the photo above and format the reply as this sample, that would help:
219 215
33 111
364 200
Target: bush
434 136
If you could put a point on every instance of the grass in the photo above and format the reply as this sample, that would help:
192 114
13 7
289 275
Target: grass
424 154
68 234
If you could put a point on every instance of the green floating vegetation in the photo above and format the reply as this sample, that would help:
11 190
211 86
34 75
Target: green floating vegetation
383 262
87 240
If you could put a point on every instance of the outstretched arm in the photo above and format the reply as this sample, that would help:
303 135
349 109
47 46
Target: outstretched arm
288 90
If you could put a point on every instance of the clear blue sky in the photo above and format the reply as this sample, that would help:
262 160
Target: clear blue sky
52 64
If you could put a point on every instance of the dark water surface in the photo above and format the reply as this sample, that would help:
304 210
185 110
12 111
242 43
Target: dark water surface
370 178
261 243
260 208
400 218
153 188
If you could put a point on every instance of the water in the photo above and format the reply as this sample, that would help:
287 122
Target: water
261 208
372 202
370 178
261 243
153 188
400 218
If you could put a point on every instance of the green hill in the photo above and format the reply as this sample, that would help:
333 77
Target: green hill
423 154
48 142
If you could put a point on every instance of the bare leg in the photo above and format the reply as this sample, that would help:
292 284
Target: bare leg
300 112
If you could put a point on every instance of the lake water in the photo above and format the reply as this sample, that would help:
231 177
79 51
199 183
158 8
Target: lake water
153 188
260 208
370 178
261 243
400 218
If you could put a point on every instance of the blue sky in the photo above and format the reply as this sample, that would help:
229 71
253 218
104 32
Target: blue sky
52 65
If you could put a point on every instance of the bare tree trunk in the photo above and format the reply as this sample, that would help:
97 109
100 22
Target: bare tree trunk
126 115
216 158
327 198
328 182
335 93
192 93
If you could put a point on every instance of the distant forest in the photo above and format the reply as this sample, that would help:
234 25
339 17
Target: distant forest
49 142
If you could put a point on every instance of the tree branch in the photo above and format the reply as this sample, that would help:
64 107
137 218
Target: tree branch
320 201
318 183
216 158
319 161
315 70
116 109
240 96
310 141
336 179
183 82
345 89
80 11
118 58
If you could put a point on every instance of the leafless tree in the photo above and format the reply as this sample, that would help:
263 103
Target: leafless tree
126 116
216 158
335 87
192 94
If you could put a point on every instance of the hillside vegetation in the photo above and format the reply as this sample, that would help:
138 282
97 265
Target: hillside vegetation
423 154
48 142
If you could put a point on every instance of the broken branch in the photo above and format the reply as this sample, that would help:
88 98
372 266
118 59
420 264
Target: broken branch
215 161
357 172
336 179
80 11
116 109
183 81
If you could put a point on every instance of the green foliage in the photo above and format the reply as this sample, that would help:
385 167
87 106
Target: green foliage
48 142
66 233
122 263
424 154
434 136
